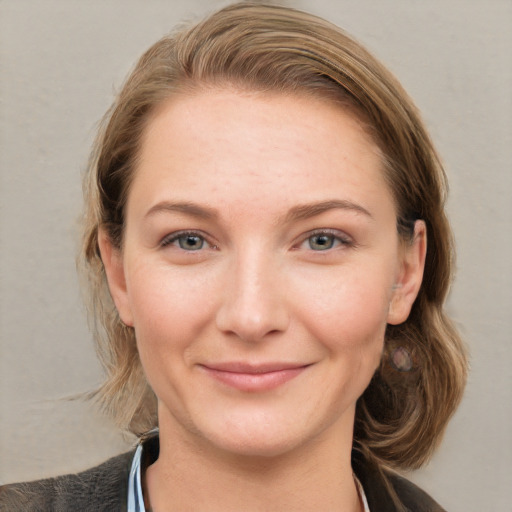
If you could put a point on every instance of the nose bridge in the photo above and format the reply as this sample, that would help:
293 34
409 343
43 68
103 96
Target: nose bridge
253 302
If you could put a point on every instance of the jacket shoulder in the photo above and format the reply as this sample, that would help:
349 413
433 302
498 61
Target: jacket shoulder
412 497
102 488
387 491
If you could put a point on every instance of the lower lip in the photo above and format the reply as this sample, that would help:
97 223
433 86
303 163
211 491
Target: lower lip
255 382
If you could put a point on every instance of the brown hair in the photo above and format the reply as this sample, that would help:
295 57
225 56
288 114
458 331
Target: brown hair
402 415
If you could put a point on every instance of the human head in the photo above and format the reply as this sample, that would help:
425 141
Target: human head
270 48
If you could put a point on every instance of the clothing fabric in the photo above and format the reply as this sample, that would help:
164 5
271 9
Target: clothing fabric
105 488
362 495
135 496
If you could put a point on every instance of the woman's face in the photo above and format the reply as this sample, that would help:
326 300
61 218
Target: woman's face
260 266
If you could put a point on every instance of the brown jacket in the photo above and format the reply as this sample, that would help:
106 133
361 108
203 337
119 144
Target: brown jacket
105 489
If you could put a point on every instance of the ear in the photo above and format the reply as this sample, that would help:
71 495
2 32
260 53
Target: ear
410 275
112 259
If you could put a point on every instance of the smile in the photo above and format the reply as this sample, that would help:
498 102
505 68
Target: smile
250 378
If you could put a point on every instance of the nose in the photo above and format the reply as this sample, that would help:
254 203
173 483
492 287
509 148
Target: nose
254 302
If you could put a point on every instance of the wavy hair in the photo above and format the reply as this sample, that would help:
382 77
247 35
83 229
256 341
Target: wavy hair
402 414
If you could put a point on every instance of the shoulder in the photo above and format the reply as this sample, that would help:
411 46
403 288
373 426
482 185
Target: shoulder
102 488
387 491
412 497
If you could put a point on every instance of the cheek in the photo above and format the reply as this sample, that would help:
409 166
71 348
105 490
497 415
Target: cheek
169 312
347 310
169 308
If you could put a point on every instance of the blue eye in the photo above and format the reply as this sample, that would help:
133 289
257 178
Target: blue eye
321 242
186 241
191 242
324 240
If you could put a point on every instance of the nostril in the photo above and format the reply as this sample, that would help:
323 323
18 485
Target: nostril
251 326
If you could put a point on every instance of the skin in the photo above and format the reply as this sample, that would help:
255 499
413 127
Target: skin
290 258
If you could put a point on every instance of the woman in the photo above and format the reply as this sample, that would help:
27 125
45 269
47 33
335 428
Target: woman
258 209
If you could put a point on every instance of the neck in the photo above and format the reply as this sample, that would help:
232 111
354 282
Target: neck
189 475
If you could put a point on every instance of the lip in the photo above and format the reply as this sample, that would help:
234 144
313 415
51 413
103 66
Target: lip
253 377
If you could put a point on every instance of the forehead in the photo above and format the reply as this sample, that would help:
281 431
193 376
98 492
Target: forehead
269 118
223 142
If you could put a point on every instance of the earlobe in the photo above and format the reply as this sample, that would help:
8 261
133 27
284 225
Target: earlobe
112 259
410 276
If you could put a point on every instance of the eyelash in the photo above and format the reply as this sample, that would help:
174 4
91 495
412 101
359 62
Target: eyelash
175 237
342 239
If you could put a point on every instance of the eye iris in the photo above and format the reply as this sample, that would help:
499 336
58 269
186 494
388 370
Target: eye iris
191 242
321 242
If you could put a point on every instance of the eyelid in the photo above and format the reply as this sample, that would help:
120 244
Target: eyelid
168 239
341 236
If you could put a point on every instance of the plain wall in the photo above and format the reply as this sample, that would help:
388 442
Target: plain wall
61 62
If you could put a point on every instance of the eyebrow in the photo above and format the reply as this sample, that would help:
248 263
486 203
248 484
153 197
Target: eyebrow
299 212
307 211
193 209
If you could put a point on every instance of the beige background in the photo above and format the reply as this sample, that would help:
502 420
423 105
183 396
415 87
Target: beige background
61 62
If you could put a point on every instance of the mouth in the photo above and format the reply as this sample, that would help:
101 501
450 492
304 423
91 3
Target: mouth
253 378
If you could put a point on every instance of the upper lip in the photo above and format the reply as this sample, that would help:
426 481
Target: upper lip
253 368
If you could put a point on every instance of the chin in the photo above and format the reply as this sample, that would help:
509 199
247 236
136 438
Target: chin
254 446
260 437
